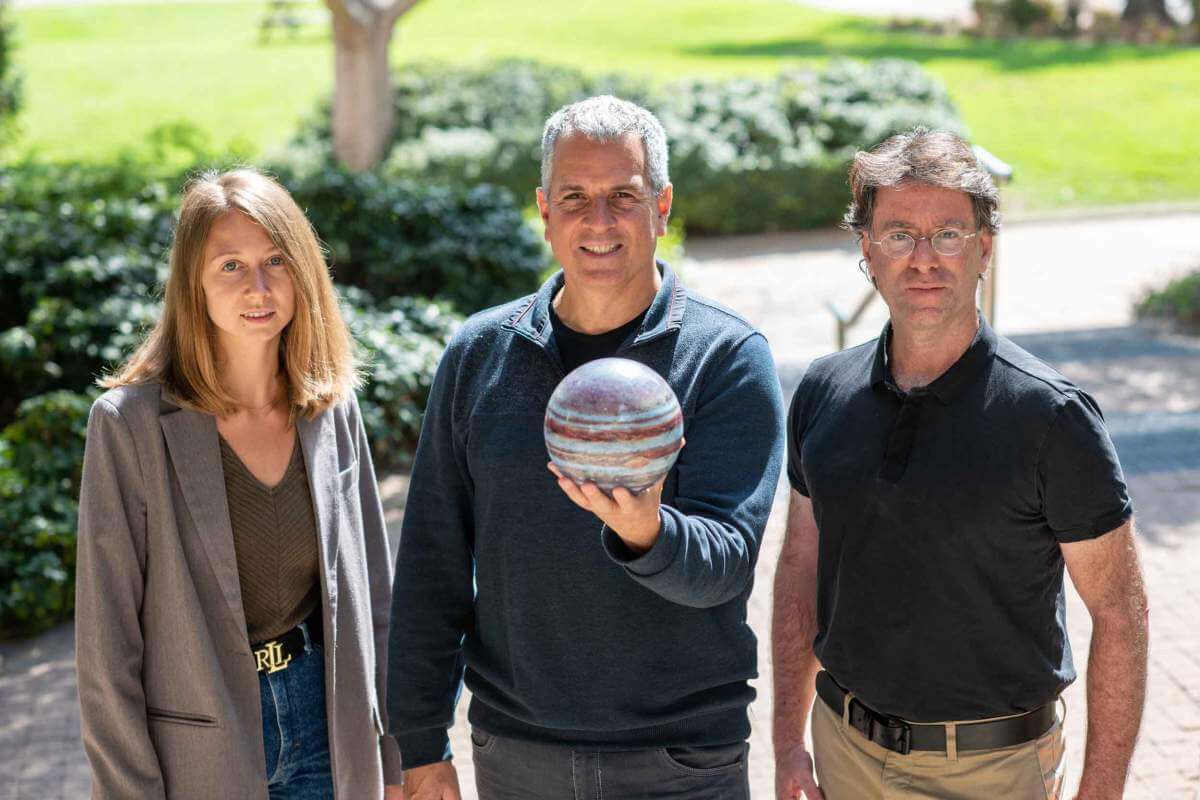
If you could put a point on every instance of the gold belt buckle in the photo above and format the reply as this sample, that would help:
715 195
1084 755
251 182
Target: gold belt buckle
270 658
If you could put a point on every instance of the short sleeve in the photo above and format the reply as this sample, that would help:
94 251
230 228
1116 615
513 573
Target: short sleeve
1083 490
797 422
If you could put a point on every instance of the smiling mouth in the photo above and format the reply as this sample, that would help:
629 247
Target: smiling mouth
259 315
600 249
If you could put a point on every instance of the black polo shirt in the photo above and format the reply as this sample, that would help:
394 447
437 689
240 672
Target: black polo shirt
940 511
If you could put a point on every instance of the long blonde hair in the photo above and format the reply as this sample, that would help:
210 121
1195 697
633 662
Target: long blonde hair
316 350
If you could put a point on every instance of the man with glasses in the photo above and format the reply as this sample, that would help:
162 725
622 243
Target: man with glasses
941 480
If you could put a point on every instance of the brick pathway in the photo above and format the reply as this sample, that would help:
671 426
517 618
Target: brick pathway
1064 293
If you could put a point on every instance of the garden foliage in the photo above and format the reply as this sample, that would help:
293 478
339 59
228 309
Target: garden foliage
747 154
83 254
1176 304
10 79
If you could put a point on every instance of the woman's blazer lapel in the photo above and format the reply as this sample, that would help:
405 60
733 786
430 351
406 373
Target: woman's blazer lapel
318 440
196 456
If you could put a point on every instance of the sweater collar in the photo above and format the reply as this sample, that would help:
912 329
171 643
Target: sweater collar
664 316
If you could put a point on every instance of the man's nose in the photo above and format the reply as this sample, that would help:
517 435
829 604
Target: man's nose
923 257
600 214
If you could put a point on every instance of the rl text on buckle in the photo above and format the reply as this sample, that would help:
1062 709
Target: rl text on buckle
270 658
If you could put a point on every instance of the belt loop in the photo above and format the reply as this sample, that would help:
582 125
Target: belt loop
951 741
846 710
307 640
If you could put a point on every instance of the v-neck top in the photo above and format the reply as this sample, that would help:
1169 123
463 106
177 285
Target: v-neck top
275 539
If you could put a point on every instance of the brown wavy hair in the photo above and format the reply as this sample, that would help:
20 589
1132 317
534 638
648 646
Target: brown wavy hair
316 351
937 158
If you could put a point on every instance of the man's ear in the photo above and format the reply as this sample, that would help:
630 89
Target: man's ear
664 208
544 209
986 240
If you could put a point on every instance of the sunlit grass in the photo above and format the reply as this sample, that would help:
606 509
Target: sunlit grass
1081 124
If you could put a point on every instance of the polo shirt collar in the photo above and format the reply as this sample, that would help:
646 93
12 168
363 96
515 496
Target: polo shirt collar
953 381
664 316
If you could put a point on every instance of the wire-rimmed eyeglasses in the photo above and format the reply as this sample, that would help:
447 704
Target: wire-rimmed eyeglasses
946 242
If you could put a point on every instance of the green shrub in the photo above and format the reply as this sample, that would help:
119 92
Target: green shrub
1005 18
41 453
10 80
467 246
82 259
83 252
403 339
1177 303
746 154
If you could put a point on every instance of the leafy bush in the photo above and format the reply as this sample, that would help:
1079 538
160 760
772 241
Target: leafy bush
41 452
746 154
83 252
1177 303
752 155
10 81
469 247
403 339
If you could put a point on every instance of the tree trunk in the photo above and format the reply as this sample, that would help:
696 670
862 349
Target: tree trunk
1137 11
363 106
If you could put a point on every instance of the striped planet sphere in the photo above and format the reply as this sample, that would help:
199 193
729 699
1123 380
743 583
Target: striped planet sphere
614 422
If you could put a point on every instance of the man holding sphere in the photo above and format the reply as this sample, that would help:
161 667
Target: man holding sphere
603 635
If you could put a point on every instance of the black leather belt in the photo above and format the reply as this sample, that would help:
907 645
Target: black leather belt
276 654
901 737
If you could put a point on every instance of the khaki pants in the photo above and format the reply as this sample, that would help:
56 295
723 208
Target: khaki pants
850 767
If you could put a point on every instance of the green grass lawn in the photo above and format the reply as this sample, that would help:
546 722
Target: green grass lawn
1083 125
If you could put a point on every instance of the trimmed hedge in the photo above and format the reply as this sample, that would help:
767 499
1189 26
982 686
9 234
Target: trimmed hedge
82 258
10 79
747 154
469 247
41 453
1177 304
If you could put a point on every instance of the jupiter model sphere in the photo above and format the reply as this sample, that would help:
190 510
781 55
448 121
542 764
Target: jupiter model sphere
614 422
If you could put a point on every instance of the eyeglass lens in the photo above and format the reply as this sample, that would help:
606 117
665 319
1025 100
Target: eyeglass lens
946 243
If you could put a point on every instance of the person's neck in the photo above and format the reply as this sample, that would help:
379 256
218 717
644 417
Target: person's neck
251 375
594 312
919 356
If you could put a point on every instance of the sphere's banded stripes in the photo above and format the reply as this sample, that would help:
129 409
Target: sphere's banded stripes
615 458
615 424
602 446
668 409
623 432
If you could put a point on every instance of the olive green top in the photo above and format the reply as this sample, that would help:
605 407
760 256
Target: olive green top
275 539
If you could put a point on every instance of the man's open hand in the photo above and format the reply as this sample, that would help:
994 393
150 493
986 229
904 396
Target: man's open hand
633 517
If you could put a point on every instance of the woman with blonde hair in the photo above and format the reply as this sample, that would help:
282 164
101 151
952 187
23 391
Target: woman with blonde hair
234 576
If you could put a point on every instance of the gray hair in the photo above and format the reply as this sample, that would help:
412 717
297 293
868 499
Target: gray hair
936 158
606 119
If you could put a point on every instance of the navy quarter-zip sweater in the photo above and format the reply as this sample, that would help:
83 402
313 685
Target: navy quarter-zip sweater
563 635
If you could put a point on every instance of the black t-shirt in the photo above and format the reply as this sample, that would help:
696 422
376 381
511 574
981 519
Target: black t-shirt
577 348
940 511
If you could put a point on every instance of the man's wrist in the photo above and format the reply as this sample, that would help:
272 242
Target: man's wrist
640 541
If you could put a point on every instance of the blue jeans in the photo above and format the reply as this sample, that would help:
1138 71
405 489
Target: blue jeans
295 735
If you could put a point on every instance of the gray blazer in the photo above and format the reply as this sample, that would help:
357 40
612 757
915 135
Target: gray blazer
167 682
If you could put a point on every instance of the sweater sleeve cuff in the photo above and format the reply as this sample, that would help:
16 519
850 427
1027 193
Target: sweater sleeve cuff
422 747
657 558
389 754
